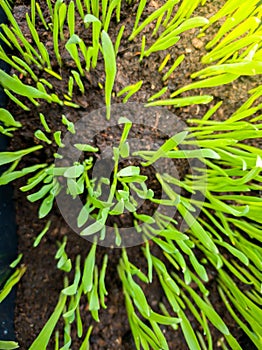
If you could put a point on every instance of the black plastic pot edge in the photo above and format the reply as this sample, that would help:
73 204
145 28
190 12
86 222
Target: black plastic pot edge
8 238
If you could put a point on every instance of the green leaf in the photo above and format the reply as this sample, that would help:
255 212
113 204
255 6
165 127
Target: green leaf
71 47
187 24
198 230
11 282
219 80
7 118
210 313
83 215
70 125
188 332
102 287
94 299
16 261
40 194
167 146
237 253
41 342
9 157
118 208
90 19
85 344
40 135
72 290
7 345
145 218
74 171
129 171
41 234
46 206
139 298
110 68
86 148
201 153
135 178
168 5
161 319
71 17
242 68
87 277
182 102
7 177
93 228
19 88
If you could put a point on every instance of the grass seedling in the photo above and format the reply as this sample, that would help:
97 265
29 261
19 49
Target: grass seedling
71 47
11 282
209 82
95 7
169 4
64 263
118 39
55 29
44 123
72 289
97 25
41 16
10 157
177 62
113 5
139 12
16 86
182 102
184 12
163 64
44 53
40 135
44 336
158 94
26 67
5 58
7 119
171 35
69 125
70 86
110 68
12 39
71 18
41 234
5 345
85 345
130 90
62 12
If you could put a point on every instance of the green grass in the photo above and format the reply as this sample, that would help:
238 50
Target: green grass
227 233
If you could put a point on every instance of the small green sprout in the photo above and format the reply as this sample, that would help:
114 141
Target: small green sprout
71 47
11 282
7 345
110 68
41 234
177 62
44 336
118 39
131 90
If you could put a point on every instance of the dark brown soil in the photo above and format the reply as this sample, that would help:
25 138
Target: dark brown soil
39 289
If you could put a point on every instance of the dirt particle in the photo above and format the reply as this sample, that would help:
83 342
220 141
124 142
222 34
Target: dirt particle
197 43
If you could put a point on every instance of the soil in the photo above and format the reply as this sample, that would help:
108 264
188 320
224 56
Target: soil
39 289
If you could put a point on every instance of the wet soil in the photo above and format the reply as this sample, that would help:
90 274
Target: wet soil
39 289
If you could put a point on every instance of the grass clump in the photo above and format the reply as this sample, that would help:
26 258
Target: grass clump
227 233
